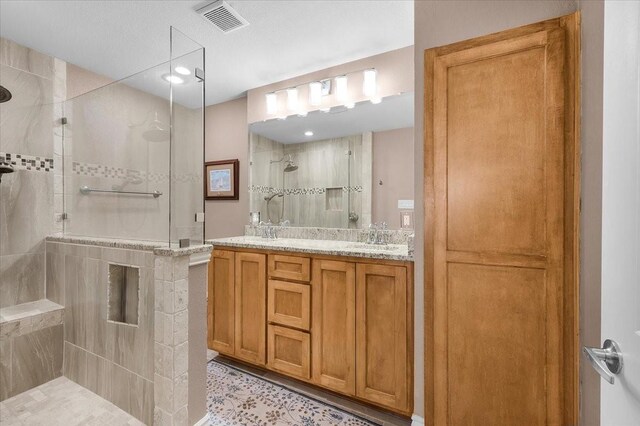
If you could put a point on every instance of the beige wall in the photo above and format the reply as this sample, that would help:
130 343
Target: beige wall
440 23
393 76
393 165
80 81
227 137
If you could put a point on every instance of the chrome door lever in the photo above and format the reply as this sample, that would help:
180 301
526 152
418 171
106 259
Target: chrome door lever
606 361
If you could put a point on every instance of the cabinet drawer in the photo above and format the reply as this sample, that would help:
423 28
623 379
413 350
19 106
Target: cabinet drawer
289 267
289 351
289 304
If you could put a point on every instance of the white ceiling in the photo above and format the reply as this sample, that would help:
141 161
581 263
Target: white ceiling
284 39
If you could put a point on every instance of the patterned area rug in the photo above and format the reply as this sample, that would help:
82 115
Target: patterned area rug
237 398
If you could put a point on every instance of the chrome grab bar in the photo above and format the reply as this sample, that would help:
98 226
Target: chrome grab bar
86 190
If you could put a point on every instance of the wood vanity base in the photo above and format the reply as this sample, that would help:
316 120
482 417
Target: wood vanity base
341 323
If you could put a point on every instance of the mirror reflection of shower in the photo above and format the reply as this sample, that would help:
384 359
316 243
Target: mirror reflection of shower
289 166
5 168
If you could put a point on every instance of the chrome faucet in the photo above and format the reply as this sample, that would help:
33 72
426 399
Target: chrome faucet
268 230
377 234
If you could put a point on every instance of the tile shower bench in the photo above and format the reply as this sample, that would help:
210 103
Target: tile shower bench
31 342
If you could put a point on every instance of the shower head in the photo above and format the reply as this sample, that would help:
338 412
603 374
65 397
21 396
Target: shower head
5 95
290 167
156 132
5 168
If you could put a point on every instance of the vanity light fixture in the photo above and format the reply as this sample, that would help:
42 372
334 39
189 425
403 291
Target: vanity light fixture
292 99
369 82
308 133
315 93
182 70
341 88
172 79
272 103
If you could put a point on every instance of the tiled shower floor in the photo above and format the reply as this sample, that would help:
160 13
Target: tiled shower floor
64 403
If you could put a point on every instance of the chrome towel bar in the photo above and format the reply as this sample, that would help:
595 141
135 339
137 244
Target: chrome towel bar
86 190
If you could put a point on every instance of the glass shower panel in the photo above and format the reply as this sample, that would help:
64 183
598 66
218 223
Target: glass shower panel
116 159
187 140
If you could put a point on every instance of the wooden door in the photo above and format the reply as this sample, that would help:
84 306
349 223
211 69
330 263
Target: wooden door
250 325
221 304
333 325
383 350
500 248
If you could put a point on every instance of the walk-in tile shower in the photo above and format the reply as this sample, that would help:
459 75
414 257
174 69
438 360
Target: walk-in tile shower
105 186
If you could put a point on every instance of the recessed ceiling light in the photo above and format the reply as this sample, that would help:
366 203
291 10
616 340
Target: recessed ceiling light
308 133
350 105
376 100
182 70
173 79
325 109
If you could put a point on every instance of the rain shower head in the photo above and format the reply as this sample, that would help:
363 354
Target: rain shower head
5 95
5 168
290 166
156 132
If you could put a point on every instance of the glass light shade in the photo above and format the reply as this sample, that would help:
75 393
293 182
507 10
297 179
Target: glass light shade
315 93
369 83
341 88
292 99
272 103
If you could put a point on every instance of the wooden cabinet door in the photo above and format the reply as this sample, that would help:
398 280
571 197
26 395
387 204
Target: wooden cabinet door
250 326
333 325
499 156
289 351
383 357
221 306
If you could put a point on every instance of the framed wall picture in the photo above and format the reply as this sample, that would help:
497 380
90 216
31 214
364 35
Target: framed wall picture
221 180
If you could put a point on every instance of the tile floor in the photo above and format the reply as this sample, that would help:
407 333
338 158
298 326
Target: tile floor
238 398
237 395
62 402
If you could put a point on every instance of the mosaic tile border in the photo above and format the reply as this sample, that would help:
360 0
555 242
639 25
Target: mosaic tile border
121 173
27 162
261 189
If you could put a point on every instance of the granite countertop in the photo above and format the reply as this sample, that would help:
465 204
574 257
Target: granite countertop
335 248
158 248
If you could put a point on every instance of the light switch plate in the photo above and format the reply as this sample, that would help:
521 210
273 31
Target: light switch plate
405 204
199 217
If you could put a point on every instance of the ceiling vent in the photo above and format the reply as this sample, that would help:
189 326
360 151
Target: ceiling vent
223 16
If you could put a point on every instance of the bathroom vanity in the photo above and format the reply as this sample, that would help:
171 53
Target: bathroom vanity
336 314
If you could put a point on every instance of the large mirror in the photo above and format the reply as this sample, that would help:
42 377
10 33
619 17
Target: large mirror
339 168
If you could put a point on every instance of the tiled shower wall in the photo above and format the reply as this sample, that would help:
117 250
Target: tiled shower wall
31 140
114 360
333 178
